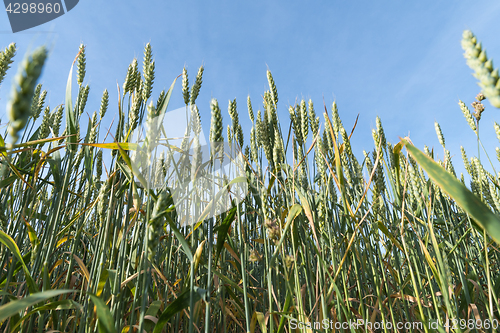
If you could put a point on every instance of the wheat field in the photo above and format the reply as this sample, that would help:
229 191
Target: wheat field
321 241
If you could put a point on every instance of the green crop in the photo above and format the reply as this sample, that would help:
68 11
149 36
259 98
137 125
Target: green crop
321 237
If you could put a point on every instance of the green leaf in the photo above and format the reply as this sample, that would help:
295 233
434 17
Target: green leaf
293 212
102 281
167 97
87 161
32 235
34 142
180 238
12 308
12 246
112 278
46 277
484 217
179 304
386 232
240 179
260 318
65 304
55 168
8 181
127 160
70 115
166 101
288 300
104 315
153 308
228 281
152 311
222 232
26 258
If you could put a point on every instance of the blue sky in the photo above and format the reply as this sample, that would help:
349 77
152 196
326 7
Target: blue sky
400 60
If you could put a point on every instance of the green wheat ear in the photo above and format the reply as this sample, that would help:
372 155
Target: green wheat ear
104 103
467 115
250 109
19 106
131 78
216 122
304 120
272 87
44 128
83 99
497 130
149 76
195 90
482 66
81 65
6 59
439 134
185 86
216 128
56 120
38 101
